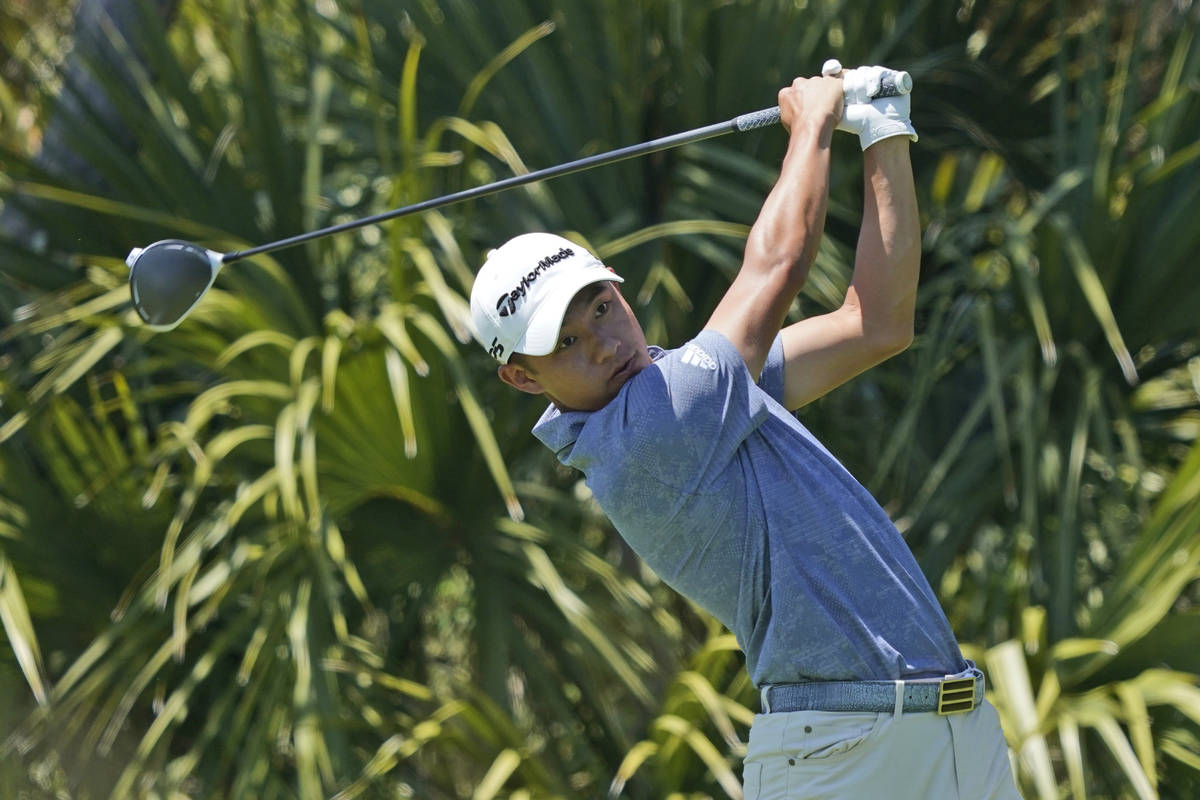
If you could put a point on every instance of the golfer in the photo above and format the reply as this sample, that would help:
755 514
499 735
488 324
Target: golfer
696 457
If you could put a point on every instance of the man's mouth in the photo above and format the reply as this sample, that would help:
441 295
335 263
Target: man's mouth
625 369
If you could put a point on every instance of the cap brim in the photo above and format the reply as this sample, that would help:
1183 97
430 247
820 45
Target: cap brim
541 336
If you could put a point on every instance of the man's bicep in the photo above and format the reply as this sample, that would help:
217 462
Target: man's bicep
823 352
750 315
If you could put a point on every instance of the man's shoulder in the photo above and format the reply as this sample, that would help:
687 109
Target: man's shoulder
684 392
708 351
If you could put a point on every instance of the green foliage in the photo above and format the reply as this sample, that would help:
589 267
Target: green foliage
32 41
302 546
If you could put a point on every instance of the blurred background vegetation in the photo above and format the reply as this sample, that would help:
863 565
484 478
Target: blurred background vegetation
304 546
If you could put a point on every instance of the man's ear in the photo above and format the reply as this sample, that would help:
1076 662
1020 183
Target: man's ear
519 377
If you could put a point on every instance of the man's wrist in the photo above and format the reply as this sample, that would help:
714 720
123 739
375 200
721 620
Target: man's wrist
888 159
819 126
891 147
887 156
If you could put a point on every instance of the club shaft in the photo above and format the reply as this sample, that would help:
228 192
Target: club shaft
744 122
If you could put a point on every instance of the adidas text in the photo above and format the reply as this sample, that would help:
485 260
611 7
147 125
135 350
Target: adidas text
696 357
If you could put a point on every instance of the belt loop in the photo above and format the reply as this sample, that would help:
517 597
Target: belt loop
764 699
898 711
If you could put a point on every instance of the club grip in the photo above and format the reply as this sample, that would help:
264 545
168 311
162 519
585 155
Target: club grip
756 119
893 83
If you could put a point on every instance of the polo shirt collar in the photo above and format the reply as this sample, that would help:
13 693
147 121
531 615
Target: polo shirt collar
559 430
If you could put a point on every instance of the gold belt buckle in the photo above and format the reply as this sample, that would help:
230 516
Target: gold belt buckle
956 696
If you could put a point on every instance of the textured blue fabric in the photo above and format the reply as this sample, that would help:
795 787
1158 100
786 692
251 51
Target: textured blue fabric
733 503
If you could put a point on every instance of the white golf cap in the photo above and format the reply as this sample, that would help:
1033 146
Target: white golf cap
523 289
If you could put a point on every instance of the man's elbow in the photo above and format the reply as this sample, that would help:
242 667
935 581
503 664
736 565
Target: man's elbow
892 339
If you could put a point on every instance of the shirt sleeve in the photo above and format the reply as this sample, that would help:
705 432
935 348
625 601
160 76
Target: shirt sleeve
694 411
771 379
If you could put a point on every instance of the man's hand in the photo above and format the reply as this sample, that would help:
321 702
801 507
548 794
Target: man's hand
879 119
811 100
873 120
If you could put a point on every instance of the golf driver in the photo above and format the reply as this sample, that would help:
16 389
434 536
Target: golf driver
169 277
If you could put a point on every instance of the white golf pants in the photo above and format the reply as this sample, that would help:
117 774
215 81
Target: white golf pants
837 755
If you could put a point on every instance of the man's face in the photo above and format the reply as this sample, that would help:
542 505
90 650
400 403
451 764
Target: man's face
600 346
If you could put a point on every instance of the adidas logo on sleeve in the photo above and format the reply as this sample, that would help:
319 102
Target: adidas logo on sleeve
693 355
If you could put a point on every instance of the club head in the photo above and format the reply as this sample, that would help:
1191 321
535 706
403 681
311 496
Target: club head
167 280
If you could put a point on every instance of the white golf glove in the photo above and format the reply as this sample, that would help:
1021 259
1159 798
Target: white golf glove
873 120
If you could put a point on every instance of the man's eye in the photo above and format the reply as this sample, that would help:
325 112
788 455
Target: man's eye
602 309
566 342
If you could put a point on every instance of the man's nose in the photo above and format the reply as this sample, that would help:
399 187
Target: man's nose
605 348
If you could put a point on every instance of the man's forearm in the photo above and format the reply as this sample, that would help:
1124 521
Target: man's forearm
781 247
887 262
788 229
876 319
783 241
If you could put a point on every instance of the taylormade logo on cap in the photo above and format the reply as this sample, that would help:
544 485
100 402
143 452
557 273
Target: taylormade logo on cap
507 303
523 289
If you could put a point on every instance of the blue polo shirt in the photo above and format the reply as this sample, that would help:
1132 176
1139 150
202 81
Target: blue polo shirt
734 504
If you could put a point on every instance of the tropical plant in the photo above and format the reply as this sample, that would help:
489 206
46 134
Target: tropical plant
1114 683
335 561
279 432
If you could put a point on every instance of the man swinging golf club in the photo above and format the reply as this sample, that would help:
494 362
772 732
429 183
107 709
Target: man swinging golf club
696 457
